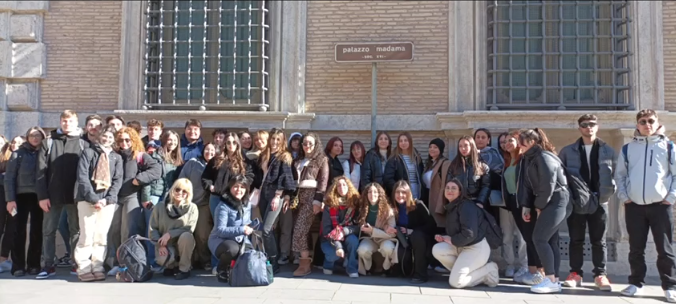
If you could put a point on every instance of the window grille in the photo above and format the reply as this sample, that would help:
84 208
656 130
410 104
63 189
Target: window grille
559 55
206 55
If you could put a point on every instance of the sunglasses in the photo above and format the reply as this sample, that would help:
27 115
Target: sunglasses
181 191
587 125
126 140
644 122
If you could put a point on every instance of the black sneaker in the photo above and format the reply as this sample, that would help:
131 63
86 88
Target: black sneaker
33 271
19 273
223 276
418 281
169 272
182 275
46 273
63 262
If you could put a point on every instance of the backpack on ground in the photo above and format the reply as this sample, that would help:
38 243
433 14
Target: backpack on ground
134 266
252 267
493 231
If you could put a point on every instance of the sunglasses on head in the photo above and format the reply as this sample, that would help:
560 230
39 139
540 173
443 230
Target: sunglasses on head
181 191
644 122
588 124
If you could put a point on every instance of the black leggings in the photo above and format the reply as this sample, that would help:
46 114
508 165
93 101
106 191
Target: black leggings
27 207
526 229
226 252
7 226
546 232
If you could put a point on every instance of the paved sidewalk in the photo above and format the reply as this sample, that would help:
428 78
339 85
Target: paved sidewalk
202 288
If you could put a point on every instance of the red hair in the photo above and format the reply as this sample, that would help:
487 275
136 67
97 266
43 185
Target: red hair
329 145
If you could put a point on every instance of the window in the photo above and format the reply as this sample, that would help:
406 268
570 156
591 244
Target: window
559 55
206 54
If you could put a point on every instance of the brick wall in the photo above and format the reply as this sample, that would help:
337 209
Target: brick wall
83 55
669 47
419 87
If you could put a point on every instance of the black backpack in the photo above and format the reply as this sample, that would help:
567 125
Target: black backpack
134 266
583 199
493 230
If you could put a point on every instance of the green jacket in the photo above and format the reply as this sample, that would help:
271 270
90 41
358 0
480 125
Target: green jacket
162 185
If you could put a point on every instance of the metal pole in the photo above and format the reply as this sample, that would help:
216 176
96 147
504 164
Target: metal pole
374 101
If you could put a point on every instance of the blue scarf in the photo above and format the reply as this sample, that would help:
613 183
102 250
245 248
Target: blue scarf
403 216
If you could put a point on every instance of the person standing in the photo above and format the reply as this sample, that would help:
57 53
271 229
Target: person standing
191 141
56 178
20 194
647 187
592 159
373 168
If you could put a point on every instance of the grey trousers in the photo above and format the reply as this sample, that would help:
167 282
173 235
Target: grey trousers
50 224
127 221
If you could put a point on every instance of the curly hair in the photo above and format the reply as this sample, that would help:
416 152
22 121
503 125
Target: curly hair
332 198
384 207
136 143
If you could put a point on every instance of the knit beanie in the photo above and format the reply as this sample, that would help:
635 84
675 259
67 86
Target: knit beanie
439 143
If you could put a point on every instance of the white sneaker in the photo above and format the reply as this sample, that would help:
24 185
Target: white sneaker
441 269
113 272
518 276
632 291
6 266
283 260
296 260
214 271
354 275
670 295
493 277
328 271
509 272
546 286
532 278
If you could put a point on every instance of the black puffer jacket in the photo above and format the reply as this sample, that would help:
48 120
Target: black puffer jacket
86 190
465 223
57 167
540 178
21 170
372 169
395 170
335 168
220 177
477 188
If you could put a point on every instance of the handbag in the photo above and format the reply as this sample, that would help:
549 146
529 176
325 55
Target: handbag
495 199
252 267
401 237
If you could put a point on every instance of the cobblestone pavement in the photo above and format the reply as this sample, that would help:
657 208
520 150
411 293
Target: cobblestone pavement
202 288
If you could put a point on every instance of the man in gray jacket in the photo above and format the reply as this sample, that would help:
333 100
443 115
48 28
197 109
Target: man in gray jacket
647 188
592 159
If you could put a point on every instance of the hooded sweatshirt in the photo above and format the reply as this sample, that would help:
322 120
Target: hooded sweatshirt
191 150
57 171
646 175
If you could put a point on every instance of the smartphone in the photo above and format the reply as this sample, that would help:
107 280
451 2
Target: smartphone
255 223
14 212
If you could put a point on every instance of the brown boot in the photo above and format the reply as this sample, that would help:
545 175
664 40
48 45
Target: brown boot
304 267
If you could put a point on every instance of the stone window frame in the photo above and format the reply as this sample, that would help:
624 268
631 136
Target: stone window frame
286 90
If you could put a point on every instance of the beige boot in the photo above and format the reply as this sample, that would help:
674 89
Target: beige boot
304 267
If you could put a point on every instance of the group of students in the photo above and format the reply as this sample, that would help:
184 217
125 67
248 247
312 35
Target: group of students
383 211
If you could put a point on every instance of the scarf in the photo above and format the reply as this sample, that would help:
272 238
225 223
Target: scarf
403 216
585 168
101 176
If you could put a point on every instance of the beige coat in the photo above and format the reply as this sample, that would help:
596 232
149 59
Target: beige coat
437 186
161 223
379 236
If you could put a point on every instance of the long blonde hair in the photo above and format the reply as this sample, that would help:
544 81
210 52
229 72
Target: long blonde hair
181 184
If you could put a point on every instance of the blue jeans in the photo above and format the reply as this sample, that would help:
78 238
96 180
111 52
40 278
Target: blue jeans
350 245
63 231
213 202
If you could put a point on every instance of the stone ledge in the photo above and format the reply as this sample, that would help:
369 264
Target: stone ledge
29 60
31 6
22 96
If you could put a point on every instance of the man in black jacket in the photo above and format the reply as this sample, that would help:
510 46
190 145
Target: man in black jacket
56 178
